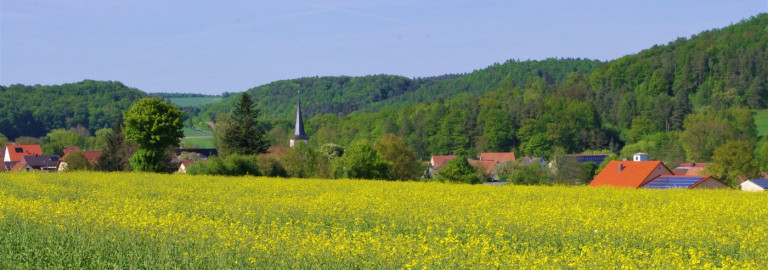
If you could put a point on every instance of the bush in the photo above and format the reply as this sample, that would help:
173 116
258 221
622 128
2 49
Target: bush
270 165
232 165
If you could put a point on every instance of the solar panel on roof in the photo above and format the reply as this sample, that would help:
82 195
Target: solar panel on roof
760 182
664 182
597 159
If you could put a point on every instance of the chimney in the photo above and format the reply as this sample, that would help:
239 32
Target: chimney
621 167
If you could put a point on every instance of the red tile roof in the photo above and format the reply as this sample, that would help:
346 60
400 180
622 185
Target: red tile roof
18 167
485 164
438 161
91 156
17 151
498 157
632 174
70 149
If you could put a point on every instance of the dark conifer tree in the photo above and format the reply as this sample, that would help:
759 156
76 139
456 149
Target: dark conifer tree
242 135
115 155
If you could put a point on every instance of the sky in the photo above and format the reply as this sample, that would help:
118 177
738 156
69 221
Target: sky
215 46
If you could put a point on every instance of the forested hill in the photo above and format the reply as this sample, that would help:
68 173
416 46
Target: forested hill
343 95
678 101
36 110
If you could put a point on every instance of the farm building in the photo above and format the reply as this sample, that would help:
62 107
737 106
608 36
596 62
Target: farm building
755 185
185 165
684 182
631 174
689 168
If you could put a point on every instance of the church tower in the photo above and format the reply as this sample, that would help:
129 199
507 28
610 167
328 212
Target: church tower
298 133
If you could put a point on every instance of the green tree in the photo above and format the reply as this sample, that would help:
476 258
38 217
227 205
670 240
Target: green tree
733 162
3 142
458 170
114 155
232 165
26 140
55 141
332 150
154 125
242 134
533 174
76 161
405 163
100 140
641 127
362 161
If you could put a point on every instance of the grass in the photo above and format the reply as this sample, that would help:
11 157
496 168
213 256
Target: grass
761 122
155 221
188 132
198 142
193 101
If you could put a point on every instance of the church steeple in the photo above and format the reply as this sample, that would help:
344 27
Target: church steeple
298 133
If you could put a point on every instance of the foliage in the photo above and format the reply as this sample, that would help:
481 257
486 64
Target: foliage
37 110
405 163
533 174
761 154
242 135
76 161
458 170
706 131
733 163
303 161
362 161
587 172
155 126
332 150
232 165
138 220
55 141
26 140
271 166
3 142
144 160
114 156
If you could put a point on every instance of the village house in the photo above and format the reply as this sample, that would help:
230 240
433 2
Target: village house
15 152
640 173
631 174
43 163
185 165
754 185
689 168
91 156
685 181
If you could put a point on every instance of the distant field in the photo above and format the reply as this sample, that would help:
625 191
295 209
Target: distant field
188 132
94 220
194 101
202 142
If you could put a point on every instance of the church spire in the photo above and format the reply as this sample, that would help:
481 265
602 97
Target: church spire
298 133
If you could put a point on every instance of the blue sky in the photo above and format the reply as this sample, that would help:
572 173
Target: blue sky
216 46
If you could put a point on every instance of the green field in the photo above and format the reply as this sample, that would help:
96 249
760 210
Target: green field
761 122
155 221
198 142
194 101
188 132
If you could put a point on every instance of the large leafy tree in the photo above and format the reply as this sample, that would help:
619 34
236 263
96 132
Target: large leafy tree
405 163
458 170
154 125
242 135
362 161
76 161
733 162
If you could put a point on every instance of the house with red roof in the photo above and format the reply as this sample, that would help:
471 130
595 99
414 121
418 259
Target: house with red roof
497 157
15 152
91 156
185 165
689 168
630 174
438 162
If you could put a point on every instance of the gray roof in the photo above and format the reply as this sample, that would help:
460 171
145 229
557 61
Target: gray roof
298 133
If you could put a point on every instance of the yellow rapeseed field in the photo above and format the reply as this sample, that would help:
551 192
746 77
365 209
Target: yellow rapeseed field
152 221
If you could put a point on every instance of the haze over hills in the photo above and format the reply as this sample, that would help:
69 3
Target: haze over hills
534 107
